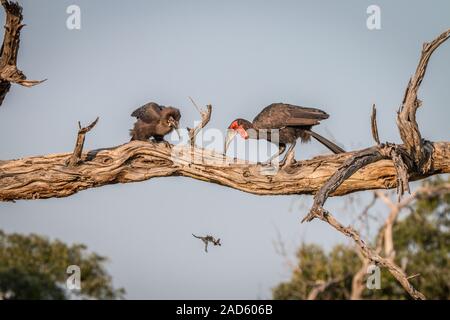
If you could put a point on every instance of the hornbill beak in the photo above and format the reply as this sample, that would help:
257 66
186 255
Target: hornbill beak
175 126
178 132
230 136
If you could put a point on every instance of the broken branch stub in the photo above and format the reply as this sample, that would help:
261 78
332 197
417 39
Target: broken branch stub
75 159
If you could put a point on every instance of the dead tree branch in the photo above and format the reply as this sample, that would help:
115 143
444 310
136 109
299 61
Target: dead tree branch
75 159
414 157
356 162
418 149
205 116
374 125
9 73
48 176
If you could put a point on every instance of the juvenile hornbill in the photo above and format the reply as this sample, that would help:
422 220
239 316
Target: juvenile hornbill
292 122
154 121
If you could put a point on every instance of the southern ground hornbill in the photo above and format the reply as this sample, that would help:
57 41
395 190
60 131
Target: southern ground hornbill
154 121
291 122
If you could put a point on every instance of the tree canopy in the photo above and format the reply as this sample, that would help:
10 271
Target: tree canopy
34 267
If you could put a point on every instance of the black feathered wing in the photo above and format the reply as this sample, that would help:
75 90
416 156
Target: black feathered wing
148 113
279 115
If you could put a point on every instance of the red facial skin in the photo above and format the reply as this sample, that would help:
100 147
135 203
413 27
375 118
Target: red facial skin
240 129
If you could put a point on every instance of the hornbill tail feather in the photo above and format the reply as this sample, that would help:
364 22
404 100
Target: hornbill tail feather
327 143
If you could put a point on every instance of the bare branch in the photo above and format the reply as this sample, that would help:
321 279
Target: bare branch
75 159
9 73
195 105
418 149
346 170
374 126
47 176
415 157
385 232
413 276
205 116
349 167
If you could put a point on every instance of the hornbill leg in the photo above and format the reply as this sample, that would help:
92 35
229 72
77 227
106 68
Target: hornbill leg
289 158
281 149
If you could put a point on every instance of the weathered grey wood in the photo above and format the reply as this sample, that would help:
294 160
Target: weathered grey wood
414 158
75 159
48 176
8 55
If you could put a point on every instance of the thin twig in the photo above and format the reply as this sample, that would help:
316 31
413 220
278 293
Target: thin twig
195 105
413 276
205 116
374 126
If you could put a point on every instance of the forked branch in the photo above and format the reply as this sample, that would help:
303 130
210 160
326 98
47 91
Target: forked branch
415 157
418 149
205 117
75 159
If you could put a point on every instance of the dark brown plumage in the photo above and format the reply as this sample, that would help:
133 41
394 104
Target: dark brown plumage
154 121
292 122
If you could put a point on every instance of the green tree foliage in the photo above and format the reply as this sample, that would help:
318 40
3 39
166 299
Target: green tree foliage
316 266
33 267
421 239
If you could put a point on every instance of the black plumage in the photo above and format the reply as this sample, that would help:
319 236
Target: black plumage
154 121
292 122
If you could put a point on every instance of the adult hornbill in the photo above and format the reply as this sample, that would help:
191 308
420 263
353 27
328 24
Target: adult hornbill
290 122
154 121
